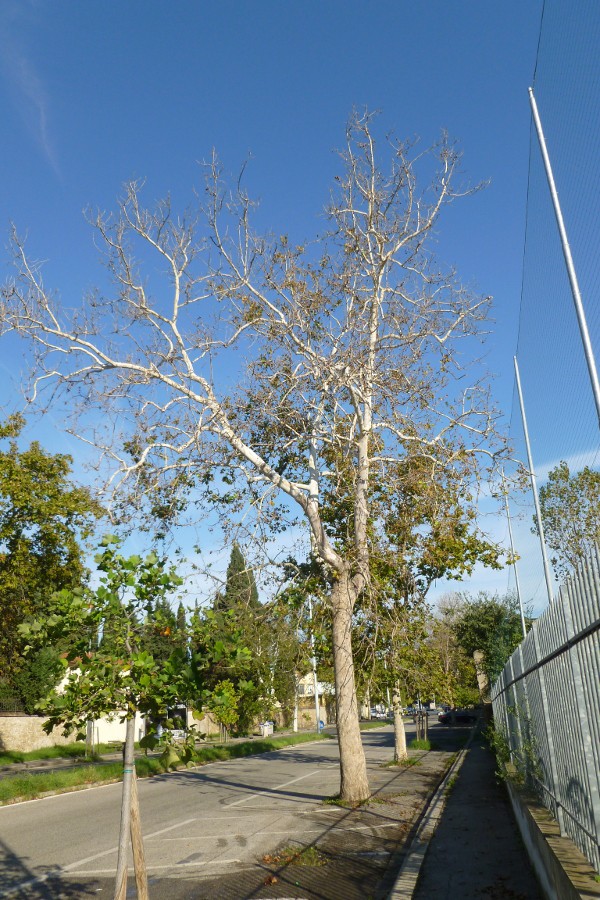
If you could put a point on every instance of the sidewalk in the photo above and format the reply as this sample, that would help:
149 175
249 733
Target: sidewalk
476 850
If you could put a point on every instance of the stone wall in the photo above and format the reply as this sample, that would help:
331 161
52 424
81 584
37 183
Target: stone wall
25 733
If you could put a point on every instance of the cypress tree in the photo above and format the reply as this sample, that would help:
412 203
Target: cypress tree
240 588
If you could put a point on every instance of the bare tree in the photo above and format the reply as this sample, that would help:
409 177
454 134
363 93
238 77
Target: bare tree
259 366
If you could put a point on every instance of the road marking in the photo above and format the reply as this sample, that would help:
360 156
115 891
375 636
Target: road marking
215 837
278 787
152 868
170 828
82 862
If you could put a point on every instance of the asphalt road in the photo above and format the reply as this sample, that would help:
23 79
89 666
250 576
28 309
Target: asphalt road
195 823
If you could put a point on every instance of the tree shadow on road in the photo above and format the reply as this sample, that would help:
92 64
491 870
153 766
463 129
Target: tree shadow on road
18 881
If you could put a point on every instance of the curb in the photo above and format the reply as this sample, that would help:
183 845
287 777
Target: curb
406 881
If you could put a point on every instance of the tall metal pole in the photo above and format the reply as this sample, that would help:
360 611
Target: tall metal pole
534 489
512 550
585 335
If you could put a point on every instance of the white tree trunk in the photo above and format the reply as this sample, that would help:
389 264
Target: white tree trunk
295 721
354 784
400 751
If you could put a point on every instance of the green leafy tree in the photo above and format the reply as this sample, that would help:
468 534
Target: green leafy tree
118 677
224 704
222 652
38 674
457 678
237 612
290 652
164 631
43 519
570 508
490 625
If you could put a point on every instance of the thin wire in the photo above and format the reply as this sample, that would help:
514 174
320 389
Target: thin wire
525 233
525 230
537 52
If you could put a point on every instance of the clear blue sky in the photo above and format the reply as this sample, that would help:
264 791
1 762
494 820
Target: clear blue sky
93 94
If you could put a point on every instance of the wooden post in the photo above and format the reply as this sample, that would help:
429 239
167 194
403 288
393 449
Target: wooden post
137 843
121 876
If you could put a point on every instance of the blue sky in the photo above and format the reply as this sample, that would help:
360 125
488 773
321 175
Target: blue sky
96 93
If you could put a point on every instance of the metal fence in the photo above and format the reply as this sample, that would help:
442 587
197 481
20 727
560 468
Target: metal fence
11 705
547 701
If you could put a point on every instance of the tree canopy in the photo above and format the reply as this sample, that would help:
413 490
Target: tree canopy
570 509
268 368
44 517
266 675
491 625
240 585
116 674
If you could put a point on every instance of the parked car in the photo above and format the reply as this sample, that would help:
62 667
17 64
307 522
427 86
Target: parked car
458 717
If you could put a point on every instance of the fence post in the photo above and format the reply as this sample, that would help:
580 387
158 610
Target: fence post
515 706
560 818
523 679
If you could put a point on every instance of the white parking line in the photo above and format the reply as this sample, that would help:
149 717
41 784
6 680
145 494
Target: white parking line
153 868
82 862
215 837
278 787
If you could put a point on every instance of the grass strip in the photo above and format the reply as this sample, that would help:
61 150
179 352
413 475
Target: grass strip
67 751
62 751
30 786
423 744
376 723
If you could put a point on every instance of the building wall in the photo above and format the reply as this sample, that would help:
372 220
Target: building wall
108 731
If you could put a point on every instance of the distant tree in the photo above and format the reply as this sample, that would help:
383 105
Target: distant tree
240 586
39 672
227 665
492 626
457 677
570 508
181 628
160 631
238 612
266 675
44 517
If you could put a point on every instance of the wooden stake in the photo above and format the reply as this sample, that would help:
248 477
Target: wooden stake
137 843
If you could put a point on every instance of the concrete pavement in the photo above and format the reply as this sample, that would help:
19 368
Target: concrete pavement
476 850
